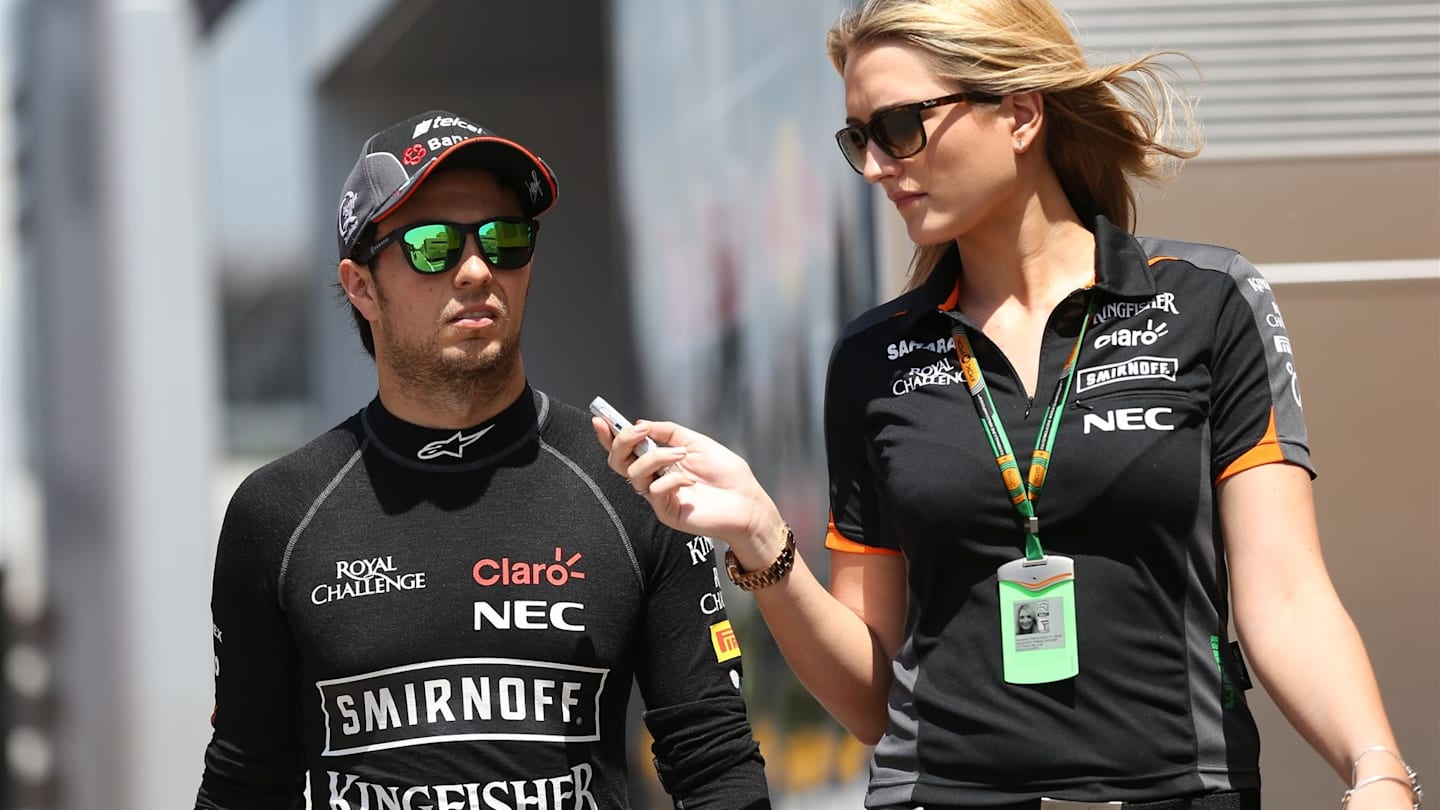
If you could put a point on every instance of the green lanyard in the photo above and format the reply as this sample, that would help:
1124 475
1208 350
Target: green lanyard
1024 491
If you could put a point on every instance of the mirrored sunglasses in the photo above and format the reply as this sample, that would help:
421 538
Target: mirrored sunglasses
506 243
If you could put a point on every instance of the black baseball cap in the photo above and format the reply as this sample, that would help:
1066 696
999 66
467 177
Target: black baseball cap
395 160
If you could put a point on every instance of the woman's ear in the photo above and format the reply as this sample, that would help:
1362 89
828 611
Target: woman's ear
359 285
1027 112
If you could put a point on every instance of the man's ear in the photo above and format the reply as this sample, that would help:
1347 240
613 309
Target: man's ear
1028 113
359 285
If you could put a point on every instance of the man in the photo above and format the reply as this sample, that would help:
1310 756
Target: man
441 603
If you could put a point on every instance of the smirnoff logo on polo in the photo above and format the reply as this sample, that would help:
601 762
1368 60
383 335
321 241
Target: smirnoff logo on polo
367 577
507 571
453 447
568 791
461 699
1136 368
1165 302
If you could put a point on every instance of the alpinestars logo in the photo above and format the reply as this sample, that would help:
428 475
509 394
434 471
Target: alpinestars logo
533 186
453 446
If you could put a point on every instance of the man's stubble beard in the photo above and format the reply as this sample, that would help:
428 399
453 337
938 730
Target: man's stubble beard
424 371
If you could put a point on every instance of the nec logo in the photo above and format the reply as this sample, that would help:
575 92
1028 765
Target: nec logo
528 614
1128 419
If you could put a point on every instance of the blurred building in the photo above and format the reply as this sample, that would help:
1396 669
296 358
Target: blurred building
168 323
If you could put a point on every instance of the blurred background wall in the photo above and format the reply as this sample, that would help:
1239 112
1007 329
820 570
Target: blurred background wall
167 320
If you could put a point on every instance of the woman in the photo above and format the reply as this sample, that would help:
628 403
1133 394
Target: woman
1025 619
1127 444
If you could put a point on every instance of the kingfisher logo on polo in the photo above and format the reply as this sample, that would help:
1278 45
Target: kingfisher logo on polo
568 791
461 699
1165 302
702 549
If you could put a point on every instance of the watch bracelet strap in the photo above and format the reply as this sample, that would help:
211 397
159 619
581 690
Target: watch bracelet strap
764 577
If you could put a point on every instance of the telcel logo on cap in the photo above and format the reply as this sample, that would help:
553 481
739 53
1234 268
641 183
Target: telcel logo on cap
443 122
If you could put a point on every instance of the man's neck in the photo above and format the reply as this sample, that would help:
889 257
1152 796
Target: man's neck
466 404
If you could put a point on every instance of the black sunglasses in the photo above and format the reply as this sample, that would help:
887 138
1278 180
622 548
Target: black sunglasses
506 243
898 131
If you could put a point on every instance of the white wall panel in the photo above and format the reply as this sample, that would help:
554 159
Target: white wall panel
1281 78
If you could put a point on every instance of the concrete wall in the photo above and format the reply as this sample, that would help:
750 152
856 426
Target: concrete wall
1368 357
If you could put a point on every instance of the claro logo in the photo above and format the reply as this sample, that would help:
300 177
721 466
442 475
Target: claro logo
506 571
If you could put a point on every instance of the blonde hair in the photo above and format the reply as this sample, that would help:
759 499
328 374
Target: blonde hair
1106 125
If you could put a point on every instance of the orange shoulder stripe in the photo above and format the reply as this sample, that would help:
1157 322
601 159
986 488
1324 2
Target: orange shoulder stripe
835 541
1265 451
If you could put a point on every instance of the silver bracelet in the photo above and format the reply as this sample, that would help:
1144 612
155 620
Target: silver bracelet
1412 782
1372 749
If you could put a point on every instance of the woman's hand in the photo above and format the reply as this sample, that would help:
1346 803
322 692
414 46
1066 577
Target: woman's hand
695 485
